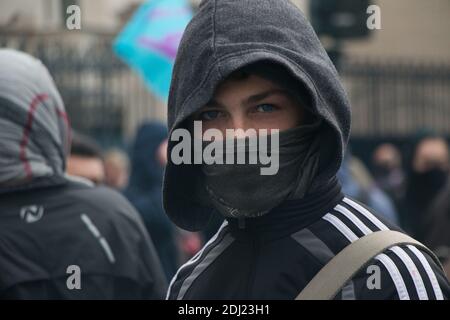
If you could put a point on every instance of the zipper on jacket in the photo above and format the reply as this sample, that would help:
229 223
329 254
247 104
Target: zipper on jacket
256 244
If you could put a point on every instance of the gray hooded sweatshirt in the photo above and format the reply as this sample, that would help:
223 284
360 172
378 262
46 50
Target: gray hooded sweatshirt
274 256
227 35
34 126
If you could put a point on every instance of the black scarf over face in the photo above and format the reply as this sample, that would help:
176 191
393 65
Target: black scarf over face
240 190
423 187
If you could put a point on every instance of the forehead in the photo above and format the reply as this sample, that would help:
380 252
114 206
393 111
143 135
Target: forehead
386 151
433 148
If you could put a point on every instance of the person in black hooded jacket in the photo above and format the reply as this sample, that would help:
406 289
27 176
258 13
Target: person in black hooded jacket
438 223
428 172
61 237
144 190
257 64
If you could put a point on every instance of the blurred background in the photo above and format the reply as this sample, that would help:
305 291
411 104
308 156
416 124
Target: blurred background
397 78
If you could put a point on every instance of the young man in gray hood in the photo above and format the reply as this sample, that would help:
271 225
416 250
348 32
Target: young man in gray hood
258 65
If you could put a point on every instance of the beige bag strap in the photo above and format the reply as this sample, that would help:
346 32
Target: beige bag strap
336 273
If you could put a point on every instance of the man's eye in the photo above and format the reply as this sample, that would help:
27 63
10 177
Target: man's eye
210 115
265 108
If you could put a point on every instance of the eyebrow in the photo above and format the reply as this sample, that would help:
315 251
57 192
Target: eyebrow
260 96
251 99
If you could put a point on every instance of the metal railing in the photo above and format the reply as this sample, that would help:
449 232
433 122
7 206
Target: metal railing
397 98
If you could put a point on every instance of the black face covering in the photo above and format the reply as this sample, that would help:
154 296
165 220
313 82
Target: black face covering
424 186
381 171
239 190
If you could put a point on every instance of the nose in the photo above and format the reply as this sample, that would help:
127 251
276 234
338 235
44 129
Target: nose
241 126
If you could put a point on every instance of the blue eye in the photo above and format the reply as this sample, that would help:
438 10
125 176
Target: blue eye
210 115
265 108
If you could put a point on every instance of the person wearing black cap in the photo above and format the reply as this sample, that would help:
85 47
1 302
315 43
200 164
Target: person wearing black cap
257 65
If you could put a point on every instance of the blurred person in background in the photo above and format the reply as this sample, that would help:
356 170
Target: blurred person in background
116 164
358 183
144 191
437 236
427 175
388 172
60 238
85 159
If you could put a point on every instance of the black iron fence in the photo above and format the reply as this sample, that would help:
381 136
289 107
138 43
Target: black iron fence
106 99
397 98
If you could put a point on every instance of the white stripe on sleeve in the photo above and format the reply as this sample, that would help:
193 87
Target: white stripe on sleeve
413 271
366 213
434 283
338 224
359 224
395 276
195 258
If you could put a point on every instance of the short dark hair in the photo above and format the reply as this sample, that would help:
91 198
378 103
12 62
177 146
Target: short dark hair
240 74
279 75
85 146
